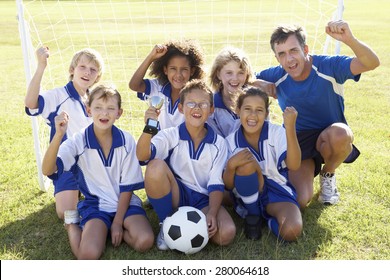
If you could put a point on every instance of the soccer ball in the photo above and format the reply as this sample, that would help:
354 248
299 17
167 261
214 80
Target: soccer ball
186 230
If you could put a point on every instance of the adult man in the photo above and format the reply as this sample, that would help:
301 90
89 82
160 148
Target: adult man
312 84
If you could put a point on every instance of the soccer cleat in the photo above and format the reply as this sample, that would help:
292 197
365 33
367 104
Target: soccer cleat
328 190
252 227
160 242
71 217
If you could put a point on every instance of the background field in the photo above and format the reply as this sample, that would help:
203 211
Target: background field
357 228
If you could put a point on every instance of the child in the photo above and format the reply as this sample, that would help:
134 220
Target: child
172 64
260 155
230 72
86 69
104 161
186 163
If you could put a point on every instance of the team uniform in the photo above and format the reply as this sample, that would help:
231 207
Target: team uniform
169 114
272 153
101 179
50 104
319 99
198 172
223 120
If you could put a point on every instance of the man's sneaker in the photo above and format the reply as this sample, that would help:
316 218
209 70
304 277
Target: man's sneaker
328 191
252 227
71 217
160 242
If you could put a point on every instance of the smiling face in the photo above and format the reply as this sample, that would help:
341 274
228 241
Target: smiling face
201 109
293 58
104 110
253 113
178 71
232 77
85 74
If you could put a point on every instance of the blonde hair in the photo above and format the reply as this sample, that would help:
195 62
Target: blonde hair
106 92
93 56
226 55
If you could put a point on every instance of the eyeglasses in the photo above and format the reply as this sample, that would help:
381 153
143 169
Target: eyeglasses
201 105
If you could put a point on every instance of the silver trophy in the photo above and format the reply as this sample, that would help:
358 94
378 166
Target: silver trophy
152 125
155 101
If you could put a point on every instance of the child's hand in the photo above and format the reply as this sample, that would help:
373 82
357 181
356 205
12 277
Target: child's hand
159 51
61 122
151 113
116 234
42 55
211 224
290 117
241 158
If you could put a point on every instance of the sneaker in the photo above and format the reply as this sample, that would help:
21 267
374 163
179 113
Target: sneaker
252 227
71 217
160 242
328 192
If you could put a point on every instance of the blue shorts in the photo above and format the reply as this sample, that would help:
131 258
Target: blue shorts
65 182
189 197
90 210
272 193
307 141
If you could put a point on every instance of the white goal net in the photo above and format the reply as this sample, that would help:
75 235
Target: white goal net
124 32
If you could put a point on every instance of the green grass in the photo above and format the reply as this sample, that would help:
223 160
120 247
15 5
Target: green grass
357 228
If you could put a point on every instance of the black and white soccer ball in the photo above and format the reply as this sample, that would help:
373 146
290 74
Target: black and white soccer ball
186 230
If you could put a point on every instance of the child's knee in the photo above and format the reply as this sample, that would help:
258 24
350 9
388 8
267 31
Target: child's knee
226 234
291 231
144 242
90 253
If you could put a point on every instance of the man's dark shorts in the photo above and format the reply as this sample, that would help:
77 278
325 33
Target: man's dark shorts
307 141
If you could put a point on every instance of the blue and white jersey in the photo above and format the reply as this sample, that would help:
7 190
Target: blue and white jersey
169 114
271 156
319 99
223 120
52 102
201 169
101 180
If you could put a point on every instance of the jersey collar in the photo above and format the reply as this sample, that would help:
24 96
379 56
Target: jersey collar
185 135
240 138
118 139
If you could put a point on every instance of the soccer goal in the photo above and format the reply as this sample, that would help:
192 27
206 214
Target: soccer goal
124 32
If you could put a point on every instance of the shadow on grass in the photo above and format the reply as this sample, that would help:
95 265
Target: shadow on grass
41 236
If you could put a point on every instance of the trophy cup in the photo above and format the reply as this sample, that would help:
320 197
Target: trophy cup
152 125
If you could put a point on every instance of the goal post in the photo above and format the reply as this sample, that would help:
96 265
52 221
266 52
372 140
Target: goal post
124 32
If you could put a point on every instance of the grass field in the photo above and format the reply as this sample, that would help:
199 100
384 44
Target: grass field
357 228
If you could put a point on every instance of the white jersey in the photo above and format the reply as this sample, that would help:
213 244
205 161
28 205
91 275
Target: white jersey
272 152
199 170
52 102
101 179
223 120
169 114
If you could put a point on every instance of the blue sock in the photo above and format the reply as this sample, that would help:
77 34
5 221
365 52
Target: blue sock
248 189
162 206
274 226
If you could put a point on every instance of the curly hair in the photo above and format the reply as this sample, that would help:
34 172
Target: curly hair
185 48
